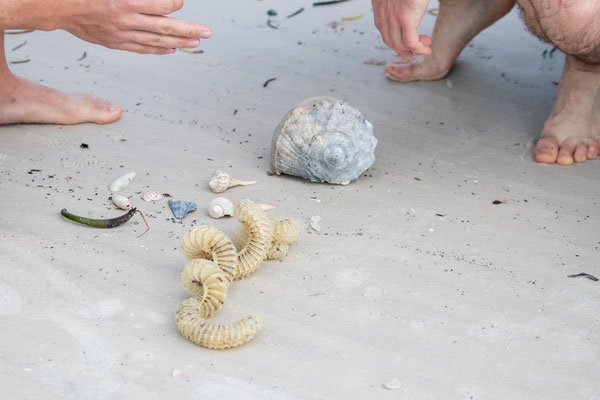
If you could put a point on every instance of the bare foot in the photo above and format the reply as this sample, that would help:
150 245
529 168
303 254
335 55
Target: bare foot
457 23
22 101
572 132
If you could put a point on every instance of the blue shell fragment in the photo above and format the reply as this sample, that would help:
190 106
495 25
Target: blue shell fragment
181 208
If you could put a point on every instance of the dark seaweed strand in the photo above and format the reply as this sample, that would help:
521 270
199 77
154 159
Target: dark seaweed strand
326 3
295 13
584 275
268 81
99 223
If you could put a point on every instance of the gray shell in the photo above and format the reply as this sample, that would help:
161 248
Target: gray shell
323 139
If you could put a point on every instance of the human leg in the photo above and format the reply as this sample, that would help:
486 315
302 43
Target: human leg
22 101
457 23
572 131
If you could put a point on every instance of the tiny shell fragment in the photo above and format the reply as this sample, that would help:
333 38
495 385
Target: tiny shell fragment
151 196
314 223
393 384
121 182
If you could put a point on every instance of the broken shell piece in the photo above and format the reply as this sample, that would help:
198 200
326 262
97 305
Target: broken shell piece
121 182
121 201
267 207
220 207
151 196
181 208
323 139
221 181
314 223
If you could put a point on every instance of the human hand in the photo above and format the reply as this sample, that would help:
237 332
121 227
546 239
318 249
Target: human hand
140 26
398 20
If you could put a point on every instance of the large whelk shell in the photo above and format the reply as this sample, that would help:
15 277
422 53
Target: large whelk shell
323 139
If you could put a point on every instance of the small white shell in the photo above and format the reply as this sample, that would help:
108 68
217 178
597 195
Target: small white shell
220 207
121 201
121 182
221 181
151 196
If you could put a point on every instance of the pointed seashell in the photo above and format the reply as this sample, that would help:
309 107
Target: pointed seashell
221 181
151 196
181 208
323 139
220 207
121 182
121 201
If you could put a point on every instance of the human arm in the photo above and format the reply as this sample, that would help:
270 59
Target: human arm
140 26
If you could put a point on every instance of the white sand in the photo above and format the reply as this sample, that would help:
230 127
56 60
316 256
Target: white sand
416 287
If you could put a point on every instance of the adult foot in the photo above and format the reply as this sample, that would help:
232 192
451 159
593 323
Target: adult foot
572 132
457 23
22 101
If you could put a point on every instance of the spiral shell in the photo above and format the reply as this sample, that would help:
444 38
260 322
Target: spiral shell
220 207
323 139
196 328
221 181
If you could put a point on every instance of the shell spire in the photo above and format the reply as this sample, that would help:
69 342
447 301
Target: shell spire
221 181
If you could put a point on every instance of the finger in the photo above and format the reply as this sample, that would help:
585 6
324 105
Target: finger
158 40
142 49
155 7
171 26
410 38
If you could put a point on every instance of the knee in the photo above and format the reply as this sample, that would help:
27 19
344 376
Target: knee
571 25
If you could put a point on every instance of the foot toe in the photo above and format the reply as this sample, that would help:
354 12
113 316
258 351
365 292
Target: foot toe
546 150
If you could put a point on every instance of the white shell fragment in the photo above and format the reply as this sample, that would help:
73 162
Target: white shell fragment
121 201
323 139
221 181
121 182
267 207
220 207
151 196
314 223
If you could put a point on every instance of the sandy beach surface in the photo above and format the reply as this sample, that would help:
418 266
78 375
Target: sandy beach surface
441 273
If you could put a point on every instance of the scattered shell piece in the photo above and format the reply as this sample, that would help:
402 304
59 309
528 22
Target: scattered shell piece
121 182
221 181
393 384
180 376
323 139
121 201
449 83
181 208
220 207
314 222
152 196
267 207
